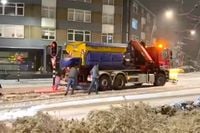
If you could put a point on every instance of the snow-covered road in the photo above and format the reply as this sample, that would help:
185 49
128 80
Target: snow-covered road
188 88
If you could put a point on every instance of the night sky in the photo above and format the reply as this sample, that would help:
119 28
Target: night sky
172 30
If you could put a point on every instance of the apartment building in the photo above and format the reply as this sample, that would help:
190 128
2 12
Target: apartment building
139 23
28 26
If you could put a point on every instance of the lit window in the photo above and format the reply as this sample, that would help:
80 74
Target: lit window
107 38
48 12
79 15
12 9
108 2
48 34
79 35
107 19
12 31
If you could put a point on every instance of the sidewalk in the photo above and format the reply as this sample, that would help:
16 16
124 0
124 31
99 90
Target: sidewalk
24 85
32 85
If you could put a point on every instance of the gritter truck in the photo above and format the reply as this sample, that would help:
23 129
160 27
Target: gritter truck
119 64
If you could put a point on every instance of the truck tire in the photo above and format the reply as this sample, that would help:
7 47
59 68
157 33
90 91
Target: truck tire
119 82
104 83
160 79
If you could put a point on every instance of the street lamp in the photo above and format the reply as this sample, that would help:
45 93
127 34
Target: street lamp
4 2
192 32
169 14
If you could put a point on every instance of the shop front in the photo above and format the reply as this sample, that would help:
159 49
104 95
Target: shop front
32 59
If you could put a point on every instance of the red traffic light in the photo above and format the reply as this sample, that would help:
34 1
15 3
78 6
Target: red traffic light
53 49
20 58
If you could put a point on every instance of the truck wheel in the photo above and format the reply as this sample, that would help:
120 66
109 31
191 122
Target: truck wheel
160 79
104 83
119 82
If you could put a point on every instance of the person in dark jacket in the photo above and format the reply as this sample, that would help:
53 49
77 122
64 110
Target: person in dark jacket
95 79
72 80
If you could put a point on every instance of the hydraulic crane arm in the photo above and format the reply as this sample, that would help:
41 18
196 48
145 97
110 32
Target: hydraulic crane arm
137 46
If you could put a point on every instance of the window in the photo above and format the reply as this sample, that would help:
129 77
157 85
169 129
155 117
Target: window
20 9
148 17
142 11
108 2
107 19
107 38
9 9
48 34
12 31
79 15
1 30
135 7
12 9
79 35
71 14
86 1
48 12
1 9
87 16
143 36
135 37
134 23
143 22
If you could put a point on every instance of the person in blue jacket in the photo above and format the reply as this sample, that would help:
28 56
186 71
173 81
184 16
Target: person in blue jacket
95 79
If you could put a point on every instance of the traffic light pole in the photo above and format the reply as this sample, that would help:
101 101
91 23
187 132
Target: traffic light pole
54 74
18 72
53 54
53 61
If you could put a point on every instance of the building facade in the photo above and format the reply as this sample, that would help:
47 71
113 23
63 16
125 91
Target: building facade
139 23
27 27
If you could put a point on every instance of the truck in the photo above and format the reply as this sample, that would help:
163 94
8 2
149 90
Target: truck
119 64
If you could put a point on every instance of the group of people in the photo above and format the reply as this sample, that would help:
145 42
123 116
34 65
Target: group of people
72 79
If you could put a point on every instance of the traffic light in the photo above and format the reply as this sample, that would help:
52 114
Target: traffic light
53 49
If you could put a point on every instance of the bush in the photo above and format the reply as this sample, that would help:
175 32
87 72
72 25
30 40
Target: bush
127 118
